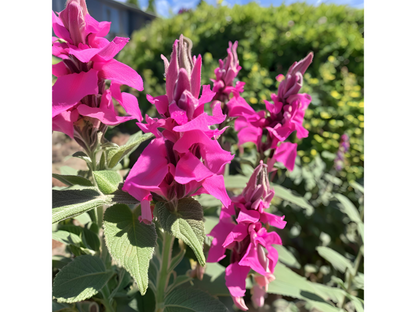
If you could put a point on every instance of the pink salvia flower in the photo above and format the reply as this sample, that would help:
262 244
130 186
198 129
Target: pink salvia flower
280 119
185 159
80 101
225 75
250 244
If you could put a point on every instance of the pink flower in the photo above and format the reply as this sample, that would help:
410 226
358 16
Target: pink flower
87 61
282 117
225 75
250 244
185 159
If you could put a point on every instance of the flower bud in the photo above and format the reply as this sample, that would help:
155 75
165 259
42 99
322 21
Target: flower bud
258 189
73 17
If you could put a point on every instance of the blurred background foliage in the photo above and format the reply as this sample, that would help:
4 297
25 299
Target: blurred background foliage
269 41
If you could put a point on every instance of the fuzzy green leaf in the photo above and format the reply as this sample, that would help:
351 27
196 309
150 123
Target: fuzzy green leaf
67 238
71 203
348 208
189 299
107 180
72 179
338 261
130 242
115 155
185 223
80 279
286 257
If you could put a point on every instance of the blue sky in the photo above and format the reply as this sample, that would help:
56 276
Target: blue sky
165 7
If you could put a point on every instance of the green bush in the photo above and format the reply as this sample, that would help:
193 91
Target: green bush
270 40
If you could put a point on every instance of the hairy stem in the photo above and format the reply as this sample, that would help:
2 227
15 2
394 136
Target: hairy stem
163 274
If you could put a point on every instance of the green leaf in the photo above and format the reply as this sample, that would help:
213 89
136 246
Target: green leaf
81 279
348 208
210 222
207 201
185 223
360 227
338 261
67 238
130 242
359 280
58 261
66 170
83 218
287 195
358 304
235 181
117 154
82 156
288 283
90 239
71 203
213 280
120 197
61 307
72 179
189 299
286 257
357 186
107 180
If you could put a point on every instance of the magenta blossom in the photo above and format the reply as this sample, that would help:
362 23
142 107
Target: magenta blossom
249 242
225 75
284 116
185 159
88 60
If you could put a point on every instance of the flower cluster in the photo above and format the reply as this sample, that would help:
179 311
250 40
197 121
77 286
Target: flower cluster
344 146
241 230
185 159
81 105
282 117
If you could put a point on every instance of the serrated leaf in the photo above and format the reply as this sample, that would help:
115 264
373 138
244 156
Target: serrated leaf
213 280
120 197
81 279
72 179
71 203
107 180
348 208
189 299
337 260
286 257
58 261
185 223
117 154
130 242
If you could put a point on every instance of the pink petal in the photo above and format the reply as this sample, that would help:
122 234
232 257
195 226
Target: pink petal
182 84
127 100
240 303
161 103
286 154
235 279
190 168
172 72
214 185
258 296
110 51
207 95
68 90
237 234
219 233
196 77
147 215
251 259
178 114
101 29
84 55
59 28
248 216
59 69
64 122
119 73
150 169
273 220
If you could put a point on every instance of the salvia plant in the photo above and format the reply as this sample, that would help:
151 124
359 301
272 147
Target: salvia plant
139 242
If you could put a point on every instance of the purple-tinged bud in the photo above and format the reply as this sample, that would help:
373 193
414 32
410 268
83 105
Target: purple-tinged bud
73 17
258 192
257 296
294 78
239 302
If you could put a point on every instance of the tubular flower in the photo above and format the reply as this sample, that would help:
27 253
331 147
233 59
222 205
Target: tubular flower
225 75
250 244
81 105
185 159
280 119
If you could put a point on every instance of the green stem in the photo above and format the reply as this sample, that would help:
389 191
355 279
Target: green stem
163 274
106 302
